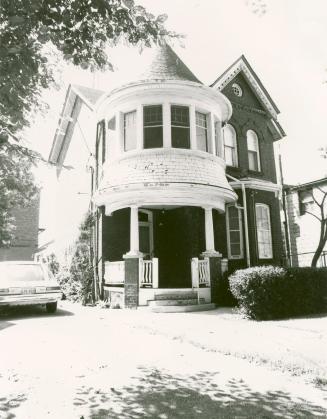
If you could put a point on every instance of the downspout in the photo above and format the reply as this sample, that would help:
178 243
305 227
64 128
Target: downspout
246 227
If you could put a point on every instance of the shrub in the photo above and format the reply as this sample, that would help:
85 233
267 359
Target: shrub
76 279
270 292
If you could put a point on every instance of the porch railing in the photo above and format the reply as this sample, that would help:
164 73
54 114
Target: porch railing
114 272
200 273
149 273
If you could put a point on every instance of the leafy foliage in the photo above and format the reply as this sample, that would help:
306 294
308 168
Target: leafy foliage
79 30
17 188
76 279
270 292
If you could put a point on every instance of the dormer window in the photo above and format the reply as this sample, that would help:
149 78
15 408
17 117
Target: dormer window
253 151
152 123
130 131
230 146
201 131
180 126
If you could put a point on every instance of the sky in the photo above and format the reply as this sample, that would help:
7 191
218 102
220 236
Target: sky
285 43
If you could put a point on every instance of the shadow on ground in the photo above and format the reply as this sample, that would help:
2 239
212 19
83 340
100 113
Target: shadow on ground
157 395
23 312
7 404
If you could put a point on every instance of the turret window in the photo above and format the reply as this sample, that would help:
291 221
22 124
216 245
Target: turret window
130 131
180 127
230 146
152 123
201 131
253 150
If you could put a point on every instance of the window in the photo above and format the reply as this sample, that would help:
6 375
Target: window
130 131
253 150
306 201
180 126
152 123
234 232
100 150
230 146
201 131
262 214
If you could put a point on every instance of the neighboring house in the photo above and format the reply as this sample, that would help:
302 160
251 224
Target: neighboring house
303 228
184 180
25 242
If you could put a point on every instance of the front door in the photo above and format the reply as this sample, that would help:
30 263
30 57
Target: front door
146 233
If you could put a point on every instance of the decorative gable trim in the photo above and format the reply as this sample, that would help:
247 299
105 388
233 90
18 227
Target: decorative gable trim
242 65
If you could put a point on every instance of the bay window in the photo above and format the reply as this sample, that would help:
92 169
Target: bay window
264 240
180 126
152 126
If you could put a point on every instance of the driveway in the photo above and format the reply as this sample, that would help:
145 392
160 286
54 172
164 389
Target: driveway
90 363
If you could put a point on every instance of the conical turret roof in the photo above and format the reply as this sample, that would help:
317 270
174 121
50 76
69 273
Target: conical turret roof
166 65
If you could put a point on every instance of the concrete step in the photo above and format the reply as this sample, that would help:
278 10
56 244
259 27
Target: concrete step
177 296
181 309
178 302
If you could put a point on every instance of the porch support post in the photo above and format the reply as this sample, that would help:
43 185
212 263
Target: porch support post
132 263
134 234
209 234
213 256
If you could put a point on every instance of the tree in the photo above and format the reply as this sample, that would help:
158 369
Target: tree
32 31
17 187
34 36
319 211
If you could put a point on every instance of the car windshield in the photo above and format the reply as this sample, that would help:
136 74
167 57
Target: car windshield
21 272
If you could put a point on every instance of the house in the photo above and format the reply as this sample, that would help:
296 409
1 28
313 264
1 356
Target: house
25 242
303 227
184 181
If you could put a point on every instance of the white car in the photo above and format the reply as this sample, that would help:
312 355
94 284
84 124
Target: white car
28 283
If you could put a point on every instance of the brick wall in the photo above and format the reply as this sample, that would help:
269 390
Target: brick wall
25 242
248 113
303 232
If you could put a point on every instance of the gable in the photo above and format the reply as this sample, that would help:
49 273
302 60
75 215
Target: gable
248 97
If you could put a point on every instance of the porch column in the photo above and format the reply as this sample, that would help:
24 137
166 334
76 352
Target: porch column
134 250
213 256
132 263
209 234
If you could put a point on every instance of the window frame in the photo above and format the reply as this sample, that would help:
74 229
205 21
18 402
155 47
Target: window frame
133 111
228 231
234 149
205 128
266 207
153 126
100 142
258 154
188 127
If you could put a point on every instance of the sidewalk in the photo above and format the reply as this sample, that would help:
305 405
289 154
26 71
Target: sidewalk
297 346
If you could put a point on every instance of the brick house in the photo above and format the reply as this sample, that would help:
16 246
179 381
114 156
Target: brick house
302 227
25 243
184 182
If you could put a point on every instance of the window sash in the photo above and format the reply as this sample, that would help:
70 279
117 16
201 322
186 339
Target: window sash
201 131
180 126
130 131
253 160
152 126
234 232
264 238
230 156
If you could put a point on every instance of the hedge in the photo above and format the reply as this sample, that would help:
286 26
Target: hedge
270 292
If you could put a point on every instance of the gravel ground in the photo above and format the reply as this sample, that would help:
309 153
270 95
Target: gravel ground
88 362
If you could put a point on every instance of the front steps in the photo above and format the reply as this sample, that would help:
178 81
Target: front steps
178 302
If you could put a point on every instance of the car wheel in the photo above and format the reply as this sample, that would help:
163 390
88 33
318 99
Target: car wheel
51 307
